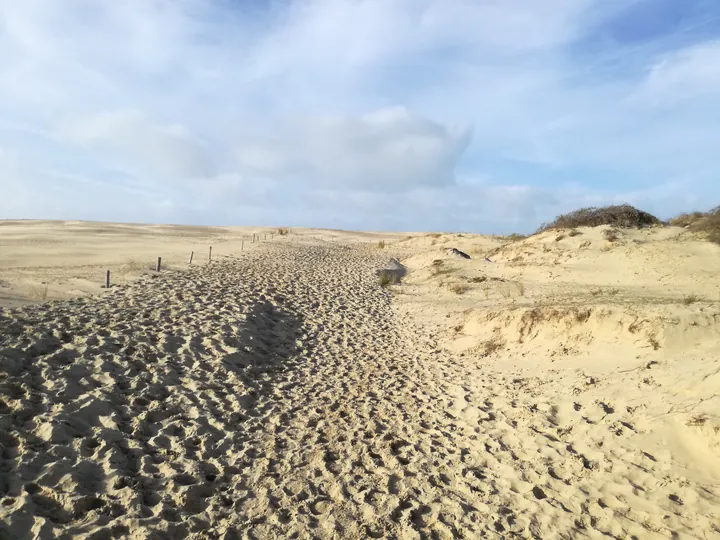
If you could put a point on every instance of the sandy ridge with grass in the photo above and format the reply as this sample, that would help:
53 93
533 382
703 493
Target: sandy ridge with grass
283 393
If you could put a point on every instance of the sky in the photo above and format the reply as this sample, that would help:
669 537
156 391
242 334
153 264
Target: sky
488 116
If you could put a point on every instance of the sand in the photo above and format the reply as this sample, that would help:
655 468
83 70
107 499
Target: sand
567 389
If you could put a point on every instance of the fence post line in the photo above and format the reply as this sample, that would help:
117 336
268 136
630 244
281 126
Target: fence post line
107 279
158 264
191 256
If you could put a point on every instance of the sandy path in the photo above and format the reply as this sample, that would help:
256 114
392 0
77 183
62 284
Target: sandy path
280 395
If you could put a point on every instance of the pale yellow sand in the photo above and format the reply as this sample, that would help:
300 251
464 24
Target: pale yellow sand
566 392
53 260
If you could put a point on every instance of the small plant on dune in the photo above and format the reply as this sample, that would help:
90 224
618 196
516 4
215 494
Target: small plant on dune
611 235
435 235
691 299
654 343
697 420
521 288
515 237
491 346
573 233
439 268
385 279
381 244
41 292
283 231
559 237
459 288
478 279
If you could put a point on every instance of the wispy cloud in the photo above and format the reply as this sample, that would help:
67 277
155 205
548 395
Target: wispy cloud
403 114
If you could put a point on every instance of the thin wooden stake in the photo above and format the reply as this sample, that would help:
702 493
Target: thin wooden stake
158 264
210 254
242 245
191 256
107 279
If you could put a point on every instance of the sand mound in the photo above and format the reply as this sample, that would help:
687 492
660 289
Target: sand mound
284 393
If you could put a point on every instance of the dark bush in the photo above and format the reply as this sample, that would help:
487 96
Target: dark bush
618 216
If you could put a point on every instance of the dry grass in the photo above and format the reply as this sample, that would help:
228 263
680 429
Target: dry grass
385 279
435 235
691 299
560 237
515 237
687 220
39 292
697 420
618 216
611 235
604 292
702 222
654 343
573 233
283 231
490 346
381 244
133 266
459 288
440 269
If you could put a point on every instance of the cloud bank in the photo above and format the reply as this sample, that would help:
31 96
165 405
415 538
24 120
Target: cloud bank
466 115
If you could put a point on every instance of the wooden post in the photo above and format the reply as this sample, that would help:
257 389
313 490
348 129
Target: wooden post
107 279
210 254
191 256
158 264
242 245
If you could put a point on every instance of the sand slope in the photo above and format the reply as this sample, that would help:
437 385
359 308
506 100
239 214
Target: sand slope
282 393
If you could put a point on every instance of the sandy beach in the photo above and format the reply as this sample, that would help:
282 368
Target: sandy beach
561 386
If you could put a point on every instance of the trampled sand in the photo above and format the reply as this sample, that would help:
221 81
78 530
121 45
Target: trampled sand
559 387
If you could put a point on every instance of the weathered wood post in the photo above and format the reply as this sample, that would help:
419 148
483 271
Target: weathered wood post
107 279
242 245
191 256
157 269
210 254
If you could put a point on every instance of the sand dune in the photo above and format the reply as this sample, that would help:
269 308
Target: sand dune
563 390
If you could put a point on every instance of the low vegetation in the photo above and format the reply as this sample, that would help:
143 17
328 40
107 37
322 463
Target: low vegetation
283 231
388 278
619 216
707 223
381 244
439 268
459 288
611 235
691 299
490 347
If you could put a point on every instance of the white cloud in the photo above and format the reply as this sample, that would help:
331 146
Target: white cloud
313 110
685 74
388 149
168 150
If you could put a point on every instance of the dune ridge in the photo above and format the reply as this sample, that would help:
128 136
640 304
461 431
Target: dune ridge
282 392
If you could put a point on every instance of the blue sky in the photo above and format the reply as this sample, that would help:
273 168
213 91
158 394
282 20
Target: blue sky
486 115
